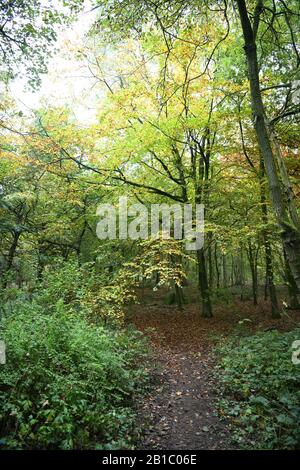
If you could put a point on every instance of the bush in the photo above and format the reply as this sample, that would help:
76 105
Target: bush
83 289
67 383
262 390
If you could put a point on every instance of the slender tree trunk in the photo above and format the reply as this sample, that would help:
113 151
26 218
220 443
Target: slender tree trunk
292 287
210 261
290 235
253 266
203 285
217 266
201 196
242 269
178 288
179 296
232 271
266 291
270 286
287 187
225 281
270 280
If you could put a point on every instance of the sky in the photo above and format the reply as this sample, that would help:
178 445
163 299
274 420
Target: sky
67 80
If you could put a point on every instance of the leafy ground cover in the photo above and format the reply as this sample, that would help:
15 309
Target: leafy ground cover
210 392
68 382
261 388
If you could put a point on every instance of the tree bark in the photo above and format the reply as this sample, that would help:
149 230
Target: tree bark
292 287
289 233
179 296
201 184
253 266
268 248
210 261
224 266
287 187
216 265
203 285
242 270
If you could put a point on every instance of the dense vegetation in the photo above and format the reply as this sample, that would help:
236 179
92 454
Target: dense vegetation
261 386
193 103
69 382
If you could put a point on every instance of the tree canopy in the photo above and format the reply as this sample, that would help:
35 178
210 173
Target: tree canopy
194 104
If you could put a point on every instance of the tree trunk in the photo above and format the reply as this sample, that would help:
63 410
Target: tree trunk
292 287
270 286
232 272
253 266
179 296
242 270
290 235
225 281
201 185
217 266
210 262
203 285
287 187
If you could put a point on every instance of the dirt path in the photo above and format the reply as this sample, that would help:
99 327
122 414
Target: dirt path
180 411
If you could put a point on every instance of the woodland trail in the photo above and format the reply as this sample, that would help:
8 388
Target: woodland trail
180 410
181 413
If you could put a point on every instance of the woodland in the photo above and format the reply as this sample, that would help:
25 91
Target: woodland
123 343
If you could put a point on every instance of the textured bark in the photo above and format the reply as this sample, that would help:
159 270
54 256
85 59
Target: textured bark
270 281
224 266
242 271
217 266
287 187
268 248
292 287
210 261
289 233
179 296
200 172
252 256
203 285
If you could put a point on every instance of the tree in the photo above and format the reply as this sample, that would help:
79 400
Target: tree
27 31
289 230
281 25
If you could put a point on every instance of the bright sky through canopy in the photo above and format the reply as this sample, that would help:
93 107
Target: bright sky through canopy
68 81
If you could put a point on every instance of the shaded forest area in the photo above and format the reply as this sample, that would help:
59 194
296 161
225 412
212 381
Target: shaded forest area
139 342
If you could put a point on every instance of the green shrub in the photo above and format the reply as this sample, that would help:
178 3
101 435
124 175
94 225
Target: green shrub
262 390
67 383
82 288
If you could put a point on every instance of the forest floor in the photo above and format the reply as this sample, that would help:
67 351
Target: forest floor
180 411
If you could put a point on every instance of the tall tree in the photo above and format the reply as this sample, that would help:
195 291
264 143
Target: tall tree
289 232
